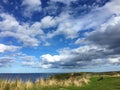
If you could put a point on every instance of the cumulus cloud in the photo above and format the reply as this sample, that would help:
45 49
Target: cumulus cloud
31 6
67 26
63 1
108 35
8 22
109 8
81 57
70 26
8 48
114 60
48 22
22 32
31 2
101 47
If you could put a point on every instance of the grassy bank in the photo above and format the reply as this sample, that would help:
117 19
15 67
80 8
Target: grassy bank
72 81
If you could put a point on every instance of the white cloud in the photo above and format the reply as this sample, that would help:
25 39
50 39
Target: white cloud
31 6
112 7
50 58
32 2
74 58
114 60
80 41
48 21
67 26
8 48
44 66
24 33
70 26
8 23
64 1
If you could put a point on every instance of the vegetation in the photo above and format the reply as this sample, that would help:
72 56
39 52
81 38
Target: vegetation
56 81
108 83
73 81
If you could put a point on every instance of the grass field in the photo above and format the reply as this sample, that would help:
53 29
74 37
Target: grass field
108 83
76 81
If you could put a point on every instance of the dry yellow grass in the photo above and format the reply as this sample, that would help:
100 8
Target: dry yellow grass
20 85
68 82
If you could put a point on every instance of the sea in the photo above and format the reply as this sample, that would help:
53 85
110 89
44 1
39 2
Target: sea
25 76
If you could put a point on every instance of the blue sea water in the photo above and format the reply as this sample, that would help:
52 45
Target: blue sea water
25 76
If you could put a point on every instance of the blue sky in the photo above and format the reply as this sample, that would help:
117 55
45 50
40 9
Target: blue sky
59 35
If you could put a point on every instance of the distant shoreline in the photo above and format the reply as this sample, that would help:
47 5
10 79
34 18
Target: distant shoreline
60 72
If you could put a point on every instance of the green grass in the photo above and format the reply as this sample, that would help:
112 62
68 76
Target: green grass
108 83
67 82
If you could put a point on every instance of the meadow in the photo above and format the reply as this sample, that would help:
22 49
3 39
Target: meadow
71 81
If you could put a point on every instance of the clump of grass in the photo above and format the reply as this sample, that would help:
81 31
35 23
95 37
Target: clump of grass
7 86
66 81
71 81
28 84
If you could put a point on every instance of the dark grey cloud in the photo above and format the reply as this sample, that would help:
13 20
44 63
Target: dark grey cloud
108 36
102 48
82 57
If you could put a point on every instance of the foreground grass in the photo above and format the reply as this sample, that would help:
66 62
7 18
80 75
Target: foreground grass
76 81
56 82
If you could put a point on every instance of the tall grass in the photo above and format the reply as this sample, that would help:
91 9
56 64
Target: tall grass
39 83
67 82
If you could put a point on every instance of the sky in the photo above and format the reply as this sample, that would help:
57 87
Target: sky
59 36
